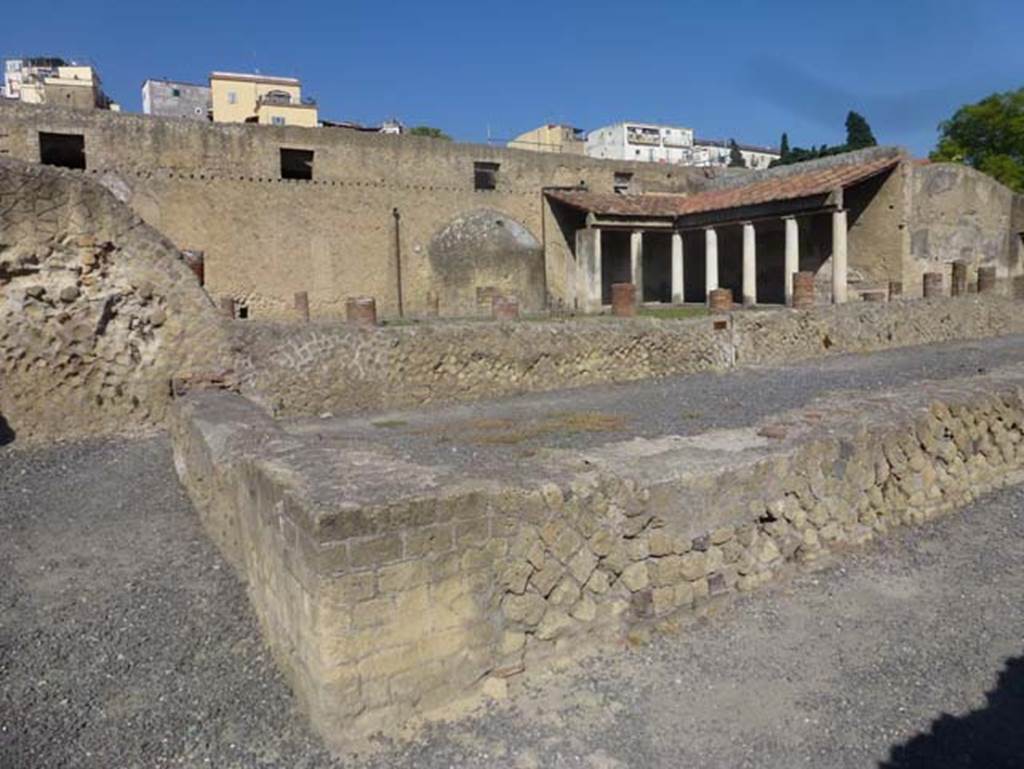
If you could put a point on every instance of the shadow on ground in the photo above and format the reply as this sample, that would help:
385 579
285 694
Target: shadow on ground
990 738
6 432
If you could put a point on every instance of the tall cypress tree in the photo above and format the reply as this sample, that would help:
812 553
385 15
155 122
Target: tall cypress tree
858 132
736 159
784 146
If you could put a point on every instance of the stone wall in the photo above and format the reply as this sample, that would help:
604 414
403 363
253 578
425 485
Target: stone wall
390 589
217 189
310 369
960 213
97 312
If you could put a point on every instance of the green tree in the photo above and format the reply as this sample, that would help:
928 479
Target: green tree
988 136
858 132
736 159
426 130
784 146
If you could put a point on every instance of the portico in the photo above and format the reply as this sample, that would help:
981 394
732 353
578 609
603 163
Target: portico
750 238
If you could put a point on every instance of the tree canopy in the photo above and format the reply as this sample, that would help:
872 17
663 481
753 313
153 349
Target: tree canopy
858 132
426 130
736 159
858 136
988 136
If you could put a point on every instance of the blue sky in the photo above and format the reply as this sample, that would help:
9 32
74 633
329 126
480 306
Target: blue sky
748 69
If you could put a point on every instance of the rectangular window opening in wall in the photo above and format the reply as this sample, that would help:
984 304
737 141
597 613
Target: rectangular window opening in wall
485 175
277 120
623 182
66 150
297 164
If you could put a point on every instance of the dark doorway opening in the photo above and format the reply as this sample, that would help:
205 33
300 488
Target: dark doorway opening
615 266
65 150
297 164
657 267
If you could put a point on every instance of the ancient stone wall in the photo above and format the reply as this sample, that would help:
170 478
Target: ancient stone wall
97 311
390 589
960 213
217 189
310 369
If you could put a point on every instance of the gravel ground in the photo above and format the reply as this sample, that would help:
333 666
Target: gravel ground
126 642
486 436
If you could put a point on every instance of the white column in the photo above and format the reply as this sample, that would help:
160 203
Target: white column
792 255
596 277
749 264
710 261
839 256
636 262
677 268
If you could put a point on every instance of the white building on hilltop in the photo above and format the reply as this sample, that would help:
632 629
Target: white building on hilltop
643 142
715 153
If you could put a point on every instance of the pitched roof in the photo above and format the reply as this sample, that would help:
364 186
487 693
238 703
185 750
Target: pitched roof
764 189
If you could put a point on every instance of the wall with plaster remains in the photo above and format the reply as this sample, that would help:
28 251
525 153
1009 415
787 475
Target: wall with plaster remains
217 189
97 311
959 213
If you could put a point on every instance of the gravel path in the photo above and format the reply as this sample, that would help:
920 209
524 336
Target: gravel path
126 642
487 436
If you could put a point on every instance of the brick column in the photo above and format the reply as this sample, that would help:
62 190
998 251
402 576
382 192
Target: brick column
361 310
678 296
803 290
636 262
839 268
932 285
749 264
623 300
302 305
710 261
792 255
958 286
986 280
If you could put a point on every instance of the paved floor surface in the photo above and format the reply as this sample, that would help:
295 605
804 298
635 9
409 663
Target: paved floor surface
489 435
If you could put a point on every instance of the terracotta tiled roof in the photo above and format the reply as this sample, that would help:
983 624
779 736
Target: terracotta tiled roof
766 189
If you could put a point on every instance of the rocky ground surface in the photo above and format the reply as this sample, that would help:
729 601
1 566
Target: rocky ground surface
487 436
125 641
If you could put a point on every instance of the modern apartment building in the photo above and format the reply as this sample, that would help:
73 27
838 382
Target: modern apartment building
168 98
248 98
646 142
552 137
54 81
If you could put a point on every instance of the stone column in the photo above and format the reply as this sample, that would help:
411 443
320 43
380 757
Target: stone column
678 296
986 280
636 262
302 305
710 261
749 264
839 256
588 269
792 255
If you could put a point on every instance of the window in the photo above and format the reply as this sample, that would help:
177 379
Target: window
296 164
175 92
485 175
66 150
232 97
276 120
623 181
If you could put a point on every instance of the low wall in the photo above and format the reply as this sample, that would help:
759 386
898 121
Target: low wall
389 589
310 369
97 311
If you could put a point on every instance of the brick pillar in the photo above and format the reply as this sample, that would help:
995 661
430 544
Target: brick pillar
361 310
432 306
958 286
504 307
895 289
227 306
624 300
803 290
302 305
720 300
986 280
932 285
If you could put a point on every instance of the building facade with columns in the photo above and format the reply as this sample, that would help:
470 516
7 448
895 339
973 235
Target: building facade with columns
853 221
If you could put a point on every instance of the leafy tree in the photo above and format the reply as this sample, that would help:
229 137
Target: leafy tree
988 136
784 146
736 159
858 132
426 130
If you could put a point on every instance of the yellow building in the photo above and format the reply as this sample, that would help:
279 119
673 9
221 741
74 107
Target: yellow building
244 98
553 137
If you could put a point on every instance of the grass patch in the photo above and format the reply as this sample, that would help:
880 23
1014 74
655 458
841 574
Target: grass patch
390 424
509 432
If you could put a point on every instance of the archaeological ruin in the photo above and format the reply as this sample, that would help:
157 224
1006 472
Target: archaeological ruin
149 276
